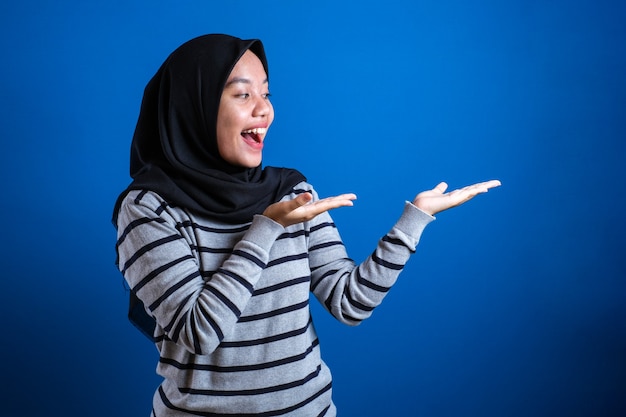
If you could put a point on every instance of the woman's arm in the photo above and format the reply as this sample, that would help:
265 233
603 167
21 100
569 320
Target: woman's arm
159 265
351 292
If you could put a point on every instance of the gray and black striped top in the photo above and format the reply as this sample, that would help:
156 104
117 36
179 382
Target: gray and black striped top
234 331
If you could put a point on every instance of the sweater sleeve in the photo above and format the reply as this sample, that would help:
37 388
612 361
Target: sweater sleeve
351 292
158 263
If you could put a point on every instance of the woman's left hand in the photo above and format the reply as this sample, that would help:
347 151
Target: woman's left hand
437 200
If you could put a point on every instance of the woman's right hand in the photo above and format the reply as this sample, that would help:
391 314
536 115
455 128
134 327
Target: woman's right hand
300 209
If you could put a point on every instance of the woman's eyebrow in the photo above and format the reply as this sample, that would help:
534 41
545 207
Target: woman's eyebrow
240 80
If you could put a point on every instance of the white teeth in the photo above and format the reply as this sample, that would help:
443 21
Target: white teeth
256 131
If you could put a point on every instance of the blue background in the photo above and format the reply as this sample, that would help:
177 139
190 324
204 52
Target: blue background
514 305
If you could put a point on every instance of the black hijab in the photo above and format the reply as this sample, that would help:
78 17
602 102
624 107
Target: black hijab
174 149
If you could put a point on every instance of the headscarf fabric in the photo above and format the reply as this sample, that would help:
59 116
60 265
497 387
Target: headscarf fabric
174 148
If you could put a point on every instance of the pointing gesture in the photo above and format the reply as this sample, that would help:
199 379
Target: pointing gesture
437 200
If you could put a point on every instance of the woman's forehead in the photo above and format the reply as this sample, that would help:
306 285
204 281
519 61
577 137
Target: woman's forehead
248 69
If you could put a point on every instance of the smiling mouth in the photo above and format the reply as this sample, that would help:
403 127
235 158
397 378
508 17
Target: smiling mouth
255 134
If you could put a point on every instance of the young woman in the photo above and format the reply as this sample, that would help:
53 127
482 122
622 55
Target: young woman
223 253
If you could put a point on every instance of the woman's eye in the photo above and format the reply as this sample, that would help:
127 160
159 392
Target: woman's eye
267 96
243 95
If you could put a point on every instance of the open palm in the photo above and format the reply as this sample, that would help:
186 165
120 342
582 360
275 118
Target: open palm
437 200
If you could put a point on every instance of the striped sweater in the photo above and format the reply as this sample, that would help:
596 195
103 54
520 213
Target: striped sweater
231 302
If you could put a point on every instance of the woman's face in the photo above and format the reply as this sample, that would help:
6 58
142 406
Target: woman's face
245 113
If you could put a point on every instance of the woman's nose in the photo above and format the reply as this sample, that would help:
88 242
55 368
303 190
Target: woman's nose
262 106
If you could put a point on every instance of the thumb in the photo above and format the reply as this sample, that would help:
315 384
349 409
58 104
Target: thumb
302 199
441 187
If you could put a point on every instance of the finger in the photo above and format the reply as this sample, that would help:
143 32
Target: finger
299 201
348 196
467 193
329 203
441 187
334 202
482 187
487 184
492 184
304 198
